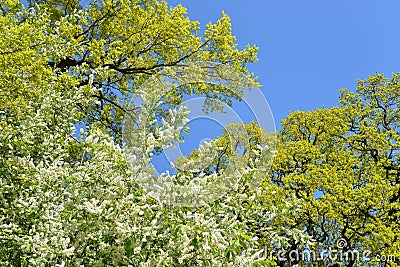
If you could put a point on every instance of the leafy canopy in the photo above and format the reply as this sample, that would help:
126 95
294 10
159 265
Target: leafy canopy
344 162
117 45
72 197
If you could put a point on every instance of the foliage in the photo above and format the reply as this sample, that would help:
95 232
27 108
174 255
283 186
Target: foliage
344 162
79 198
117 45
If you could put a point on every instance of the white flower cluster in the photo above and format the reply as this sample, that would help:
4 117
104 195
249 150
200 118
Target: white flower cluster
80 201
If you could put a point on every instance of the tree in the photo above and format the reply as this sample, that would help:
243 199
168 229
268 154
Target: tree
344 162
118 45
72 197
239 145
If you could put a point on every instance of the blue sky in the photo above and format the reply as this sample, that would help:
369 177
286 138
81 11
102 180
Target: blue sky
310 49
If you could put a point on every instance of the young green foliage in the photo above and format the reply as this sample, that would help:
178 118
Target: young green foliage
77 199
344 162
117 45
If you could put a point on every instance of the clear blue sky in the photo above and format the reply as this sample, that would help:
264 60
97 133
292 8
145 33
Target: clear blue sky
310 49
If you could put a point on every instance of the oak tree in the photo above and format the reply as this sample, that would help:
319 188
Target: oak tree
344 162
